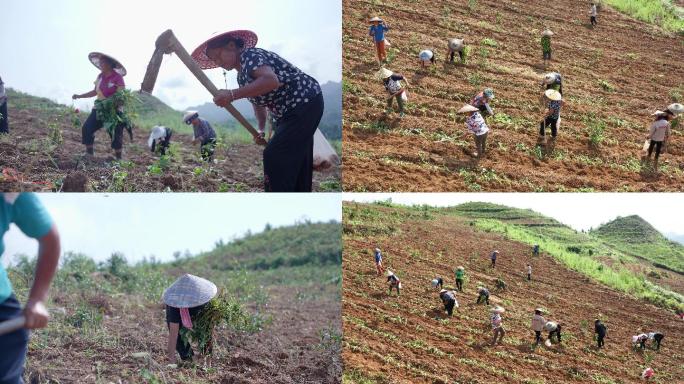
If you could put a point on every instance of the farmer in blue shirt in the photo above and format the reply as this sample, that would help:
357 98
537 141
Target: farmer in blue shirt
378 261
377 30
28 214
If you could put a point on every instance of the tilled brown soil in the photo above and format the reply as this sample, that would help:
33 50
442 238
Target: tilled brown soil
409 339
291 350
28 162
430 150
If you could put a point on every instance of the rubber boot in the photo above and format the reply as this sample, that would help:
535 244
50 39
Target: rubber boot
117 154
90 150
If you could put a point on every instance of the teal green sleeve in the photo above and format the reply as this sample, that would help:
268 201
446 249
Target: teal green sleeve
31 216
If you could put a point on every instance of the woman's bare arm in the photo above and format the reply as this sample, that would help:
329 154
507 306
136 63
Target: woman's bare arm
48 258
171 343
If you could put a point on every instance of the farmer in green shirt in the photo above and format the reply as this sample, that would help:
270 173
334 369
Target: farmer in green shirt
26 212
546 45
460 274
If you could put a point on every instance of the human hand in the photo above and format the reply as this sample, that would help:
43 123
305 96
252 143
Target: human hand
36 315
75 96
224 98
260 140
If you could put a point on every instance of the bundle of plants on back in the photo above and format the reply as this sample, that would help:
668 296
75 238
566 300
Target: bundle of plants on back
221 310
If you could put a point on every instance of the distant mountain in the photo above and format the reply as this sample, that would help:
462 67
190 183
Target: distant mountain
635 236
676 237
331 123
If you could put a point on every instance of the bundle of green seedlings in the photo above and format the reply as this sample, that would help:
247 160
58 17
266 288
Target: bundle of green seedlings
221 310
114 111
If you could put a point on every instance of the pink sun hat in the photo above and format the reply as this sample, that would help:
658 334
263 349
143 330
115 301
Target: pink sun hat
200 55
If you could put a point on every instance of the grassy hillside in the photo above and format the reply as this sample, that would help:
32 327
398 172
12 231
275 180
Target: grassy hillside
634 236
104 312
582 252
409 338
663 13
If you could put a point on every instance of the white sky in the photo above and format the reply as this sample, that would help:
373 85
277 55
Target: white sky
578 210
44 44
145 224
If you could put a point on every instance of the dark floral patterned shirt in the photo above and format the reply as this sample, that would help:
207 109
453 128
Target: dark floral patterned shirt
296 87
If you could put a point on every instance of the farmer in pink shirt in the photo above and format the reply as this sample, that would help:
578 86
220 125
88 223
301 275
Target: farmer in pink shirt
108 82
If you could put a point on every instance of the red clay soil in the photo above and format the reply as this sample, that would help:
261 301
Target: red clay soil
29 163
430 149
408 339
288 351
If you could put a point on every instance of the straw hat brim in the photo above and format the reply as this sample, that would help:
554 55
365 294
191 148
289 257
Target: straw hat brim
467 109
426 54
547 33
375 19
383 73
189 291
498 310
676 108
552 94
200 55
455 44
94 58
460 267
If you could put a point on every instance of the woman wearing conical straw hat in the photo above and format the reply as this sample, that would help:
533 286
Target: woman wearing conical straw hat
546 45
185 299
392 82
377 31
273 85
478 127
497 324
108 82
455 45
658 134
426 57
554 105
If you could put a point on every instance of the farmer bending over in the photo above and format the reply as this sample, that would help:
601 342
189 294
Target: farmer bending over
203 133
553 328
29 215
449 301
481 102
392 83
482 295
393 282
456 45
184 300
426 57
437 282
160 139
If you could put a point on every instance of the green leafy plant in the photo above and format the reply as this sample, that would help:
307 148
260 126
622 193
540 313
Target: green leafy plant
115 110
221 310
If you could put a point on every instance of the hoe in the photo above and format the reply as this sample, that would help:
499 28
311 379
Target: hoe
167 43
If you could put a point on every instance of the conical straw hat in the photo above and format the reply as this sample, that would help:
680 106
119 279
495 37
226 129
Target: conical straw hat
189 291
498 309
676 108
383 73
547 32
455 44
467 109
552 94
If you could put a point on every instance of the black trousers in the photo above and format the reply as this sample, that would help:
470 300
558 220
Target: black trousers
4 119
453 54
537 337
288 157
449 306
529 276
658 147
92 125
459 284
484 298
599 340
658 337
593 20
14 345
549 122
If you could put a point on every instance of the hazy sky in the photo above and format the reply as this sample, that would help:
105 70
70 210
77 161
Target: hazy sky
580 211
44 44
144 224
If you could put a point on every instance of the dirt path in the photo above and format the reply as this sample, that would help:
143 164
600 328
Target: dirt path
29 162
429 150
408 339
